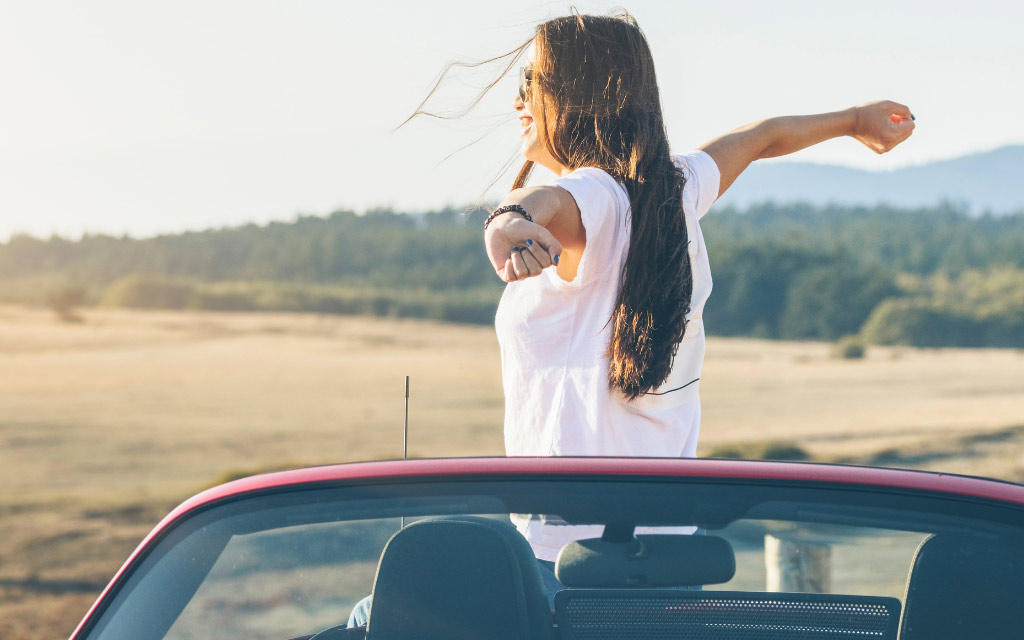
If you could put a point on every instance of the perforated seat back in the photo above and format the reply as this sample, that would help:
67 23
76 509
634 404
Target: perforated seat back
458 579
634 614
964 587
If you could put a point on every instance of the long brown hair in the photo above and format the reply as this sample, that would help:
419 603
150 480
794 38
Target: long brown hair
594 79
597 73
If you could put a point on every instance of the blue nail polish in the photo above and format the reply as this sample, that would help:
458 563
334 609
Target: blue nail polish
912 117
556 260
529 242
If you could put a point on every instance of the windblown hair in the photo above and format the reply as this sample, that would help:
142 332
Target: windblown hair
593 77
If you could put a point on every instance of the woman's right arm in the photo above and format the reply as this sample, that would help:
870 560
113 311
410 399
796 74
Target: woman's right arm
869 123
556 227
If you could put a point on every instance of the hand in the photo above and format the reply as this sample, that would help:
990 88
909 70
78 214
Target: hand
875 129
519 249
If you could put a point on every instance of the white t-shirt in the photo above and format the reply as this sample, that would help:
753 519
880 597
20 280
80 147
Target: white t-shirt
554 338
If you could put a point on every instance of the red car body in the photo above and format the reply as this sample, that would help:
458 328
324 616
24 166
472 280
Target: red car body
954 489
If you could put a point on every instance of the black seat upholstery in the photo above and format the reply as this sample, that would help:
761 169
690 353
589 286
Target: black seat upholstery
964 587
458 579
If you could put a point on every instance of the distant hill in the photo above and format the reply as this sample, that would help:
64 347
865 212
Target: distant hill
990 181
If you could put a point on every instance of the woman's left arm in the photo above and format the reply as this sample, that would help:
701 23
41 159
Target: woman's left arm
870 123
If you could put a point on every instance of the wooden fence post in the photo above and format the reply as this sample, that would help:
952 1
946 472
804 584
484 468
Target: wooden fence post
797 565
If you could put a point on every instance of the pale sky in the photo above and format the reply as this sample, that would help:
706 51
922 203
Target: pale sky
129 116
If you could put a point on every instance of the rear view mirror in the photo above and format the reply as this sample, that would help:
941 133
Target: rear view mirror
646 561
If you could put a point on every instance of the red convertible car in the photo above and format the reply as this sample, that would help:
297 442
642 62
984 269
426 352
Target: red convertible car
689 549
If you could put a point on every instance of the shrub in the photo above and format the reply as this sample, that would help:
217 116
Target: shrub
472 306
783 451
151 292
770 450
65 300
726 451
919 323
850 348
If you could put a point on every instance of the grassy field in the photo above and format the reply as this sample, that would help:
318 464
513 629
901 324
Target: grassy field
106 424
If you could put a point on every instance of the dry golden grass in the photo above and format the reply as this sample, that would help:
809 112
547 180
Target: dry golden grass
907 402
107 423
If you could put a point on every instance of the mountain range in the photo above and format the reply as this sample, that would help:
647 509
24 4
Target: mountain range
992 181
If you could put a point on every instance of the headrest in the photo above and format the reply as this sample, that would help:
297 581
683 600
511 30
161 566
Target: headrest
964 587
458 579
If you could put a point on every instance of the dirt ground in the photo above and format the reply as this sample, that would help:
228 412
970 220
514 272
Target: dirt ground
106 424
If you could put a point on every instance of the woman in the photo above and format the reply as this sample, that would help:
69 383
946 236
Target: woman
600 327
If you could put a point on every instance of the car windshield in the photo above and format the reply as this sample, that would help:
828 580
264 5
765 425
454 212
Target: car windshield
295 562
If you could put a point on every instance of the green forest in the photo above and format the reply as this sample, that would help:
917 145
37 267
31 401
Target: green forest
923 277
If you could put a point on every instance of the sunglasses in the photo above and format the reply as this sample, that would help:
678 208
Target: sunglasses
525 82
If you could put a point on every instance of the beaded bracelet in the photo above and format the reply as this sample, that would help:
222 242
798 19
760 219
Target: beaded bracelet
506 209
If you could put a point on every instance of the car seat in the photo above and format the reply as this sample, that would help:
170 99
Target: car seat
458 578
964 587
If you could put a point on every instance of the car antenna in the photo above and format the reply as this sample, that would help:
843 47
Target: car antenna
405 437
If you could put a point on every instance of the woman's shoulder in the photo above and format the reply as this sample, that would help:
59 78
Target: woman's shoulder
702 181
594 188
592 178
695 165
696 162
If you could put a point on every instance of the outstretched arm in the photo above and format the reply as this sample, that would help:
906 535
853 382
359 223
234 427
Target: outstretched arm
870 123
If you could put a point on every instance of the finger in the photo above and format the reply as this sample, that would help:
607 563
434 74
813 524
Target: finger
508 271
900 122
542 257
521 270
531 262
903 130
902 110
899 113
548 243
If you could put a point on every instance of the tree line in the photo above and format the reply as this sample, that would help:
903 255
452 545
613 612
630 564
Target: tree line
929 277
